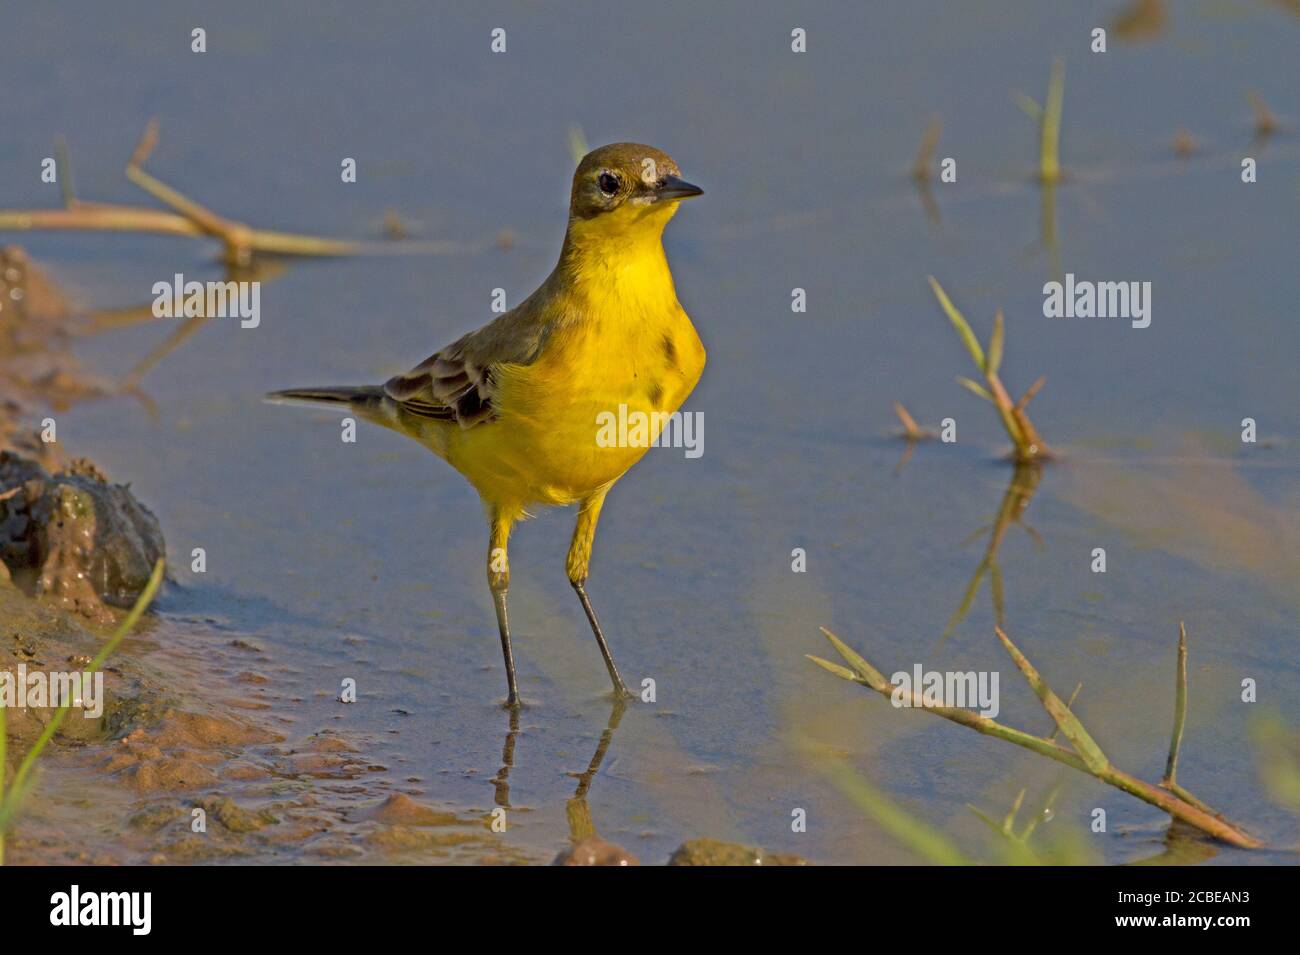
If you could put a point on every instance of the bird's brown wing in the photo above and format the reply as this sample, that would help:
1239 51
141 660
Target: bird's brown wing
457 383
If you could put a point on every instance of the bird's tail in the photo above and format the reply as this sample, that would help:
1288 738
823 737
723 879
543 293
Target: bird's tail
359 396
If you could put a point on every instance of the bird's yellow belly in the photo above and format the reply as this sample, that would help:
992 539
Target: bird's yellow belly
571 423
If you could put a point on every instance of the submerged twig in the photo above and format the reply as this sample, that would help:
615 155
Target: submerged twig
1185 144
911 430
1085 755
921 170
911 433
1170 781
1266 123
187 218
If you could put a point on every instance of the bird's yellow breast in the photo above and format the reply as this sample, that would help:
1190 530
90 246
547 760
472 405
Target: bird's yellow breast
620 344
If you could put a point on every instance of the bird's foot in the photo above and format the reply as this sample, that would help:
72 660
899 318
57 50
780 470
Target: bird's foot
620 693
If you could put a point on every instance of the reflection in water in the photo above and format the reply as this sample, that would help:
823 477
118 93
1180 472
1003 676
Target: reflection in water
926 195
911 434
37 367
501 781
576 809
1182 845
922 171
260 270
587 847
1015 500
38 328
1047 220
1049 240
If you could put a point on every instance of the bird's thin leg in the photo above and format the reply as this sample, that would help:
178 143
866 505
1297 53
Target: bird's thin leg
619 686
579 560
498 573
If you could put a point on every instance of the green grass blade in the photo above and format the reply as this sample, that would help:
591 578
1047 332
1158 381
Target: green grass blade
1030 105
986 819
1049 150
959 322
994 359
1180 709
1009 823
1013 849
835 668
995 592
869 674
1071 728
976 388
1042 813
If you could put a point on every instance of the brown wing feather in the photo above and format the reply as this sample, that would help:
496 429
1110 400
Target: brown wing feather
442 387
457 382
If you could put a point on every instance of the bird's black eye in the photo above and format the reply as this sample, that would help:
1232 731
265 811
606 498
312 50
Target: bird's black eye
608 183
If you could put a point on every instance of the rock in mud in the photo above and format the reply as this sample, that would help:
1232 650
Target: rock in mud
401 810
715 852
156 818
166 774
233 818
83 542
593 850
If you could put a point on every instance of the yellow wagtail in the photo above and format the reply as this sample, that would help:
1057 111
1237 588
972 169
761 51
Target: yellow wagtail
514 405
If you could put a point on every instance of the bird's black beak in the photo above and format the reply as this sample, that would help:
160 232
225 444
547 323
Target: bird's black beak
674 188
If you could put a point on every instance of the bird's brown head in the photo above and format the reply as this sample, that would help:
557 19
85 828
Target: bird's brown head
626 183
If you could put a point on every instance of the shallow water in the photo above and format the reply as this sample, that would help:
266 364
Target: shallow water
364 560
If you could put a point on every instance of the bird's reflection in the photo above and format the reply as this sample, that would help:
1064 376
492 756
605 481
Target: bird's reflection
617 708
586 846
501 781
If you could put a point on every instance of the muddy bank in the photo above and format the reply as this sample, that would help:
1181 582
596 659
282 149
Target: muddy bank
176 770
